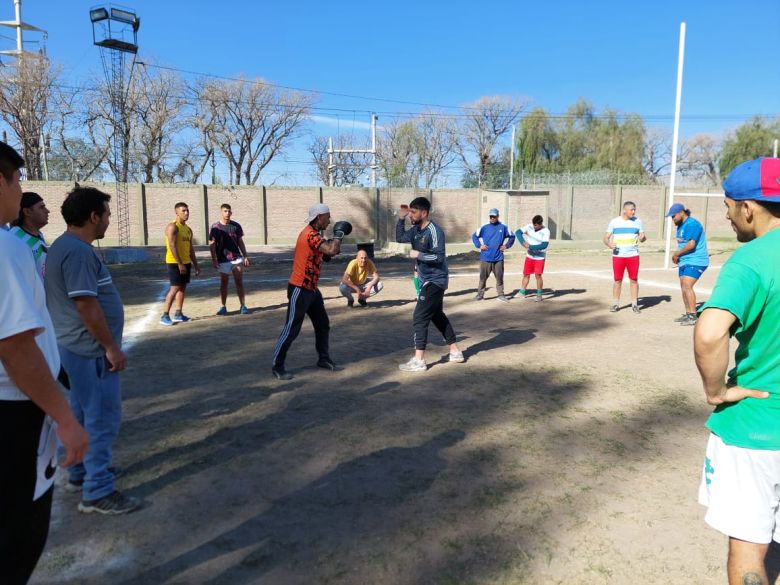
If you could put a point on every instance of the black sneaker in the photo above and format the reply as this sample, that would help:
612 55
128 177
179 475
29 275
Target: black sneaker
329 364
113 504
350 303
362 302
74 486
280 373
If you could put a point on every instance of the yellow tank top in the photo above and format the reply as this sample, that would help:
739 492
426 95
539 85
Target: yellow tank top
183 244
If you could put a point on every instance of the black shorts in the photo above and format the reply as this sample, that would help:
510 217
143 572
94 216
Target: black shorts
176 278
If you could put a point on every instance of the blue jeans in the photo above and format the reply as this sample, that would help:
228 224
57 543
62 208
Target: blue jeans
97 403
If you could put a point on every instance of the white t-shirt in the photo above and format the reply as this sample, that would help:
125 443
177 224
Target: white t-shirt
23 308
533 237
625 236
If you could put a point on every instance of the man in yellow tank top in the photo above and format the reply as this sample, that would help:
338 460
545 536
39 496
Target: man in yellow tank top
180 259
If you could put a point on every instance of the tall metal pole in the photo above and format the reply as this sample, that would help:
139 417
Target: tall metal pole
44 156
19 39
374 118
330 162
774 150
675 136
512 158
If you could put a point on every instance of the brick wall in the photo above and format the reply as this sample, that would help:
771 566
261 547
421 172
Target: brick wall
276 215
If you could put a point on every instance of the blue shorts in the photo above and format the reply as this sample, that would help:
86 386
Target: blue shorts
691 271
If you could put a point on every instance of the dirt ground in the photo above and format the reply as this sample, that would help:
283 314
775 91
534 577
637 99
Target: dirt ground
567 449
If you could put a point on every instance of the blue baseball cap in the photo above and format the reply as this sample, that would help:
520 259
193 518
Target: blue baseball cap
757 180
675 208
493 212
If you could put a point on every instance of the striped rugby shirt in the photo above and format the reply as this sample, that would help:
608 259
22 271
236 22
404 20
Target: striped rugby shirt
625 235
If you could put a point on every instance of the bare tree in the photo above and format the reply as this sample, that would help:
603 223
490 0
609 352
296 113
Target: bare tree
700 159
398 154
437 144
485 122
249 122
75 153
348 167
26 89
657 152
414 152
156 111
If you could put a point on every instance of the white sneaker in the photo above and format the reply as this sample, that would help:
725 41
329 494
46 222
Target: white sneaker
457 358
413 365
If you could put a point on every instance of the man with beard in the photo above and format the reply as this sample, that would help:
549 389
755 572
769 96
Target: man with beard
691 257
427 241
88 318
740 482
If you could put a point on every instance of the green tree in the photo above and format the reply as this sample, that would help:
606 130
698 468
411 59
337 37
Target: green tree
582 141
751 140
537 142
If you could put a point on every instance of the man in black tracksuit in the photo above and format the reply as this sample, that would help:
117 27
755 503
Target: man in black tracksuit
427 241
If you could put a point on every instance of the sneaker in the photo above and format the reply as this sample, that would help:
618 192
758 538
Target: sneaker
329 364
73 486
681 318
222 311
614 308
479 297
244 310
689 320
503 298
113 504
538 298
362 302
166 320
280 373
350 303
457 357
180 318
635 308
413 365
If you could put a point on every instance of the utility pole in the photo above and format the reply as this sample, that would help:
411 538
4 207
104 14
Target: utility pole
20 27
512 158
374 118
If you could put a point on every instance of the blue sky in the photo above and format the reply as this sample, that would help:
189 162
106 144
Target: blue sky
621 54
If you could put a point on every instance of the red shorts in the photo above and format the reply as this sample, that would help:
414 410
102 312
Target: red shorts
532 266
620 265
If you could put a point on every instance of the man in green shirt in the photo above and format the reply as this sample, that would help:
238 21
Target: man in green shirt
741 478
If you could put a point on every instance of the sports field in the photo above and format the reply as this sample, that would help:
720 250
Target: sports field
567 449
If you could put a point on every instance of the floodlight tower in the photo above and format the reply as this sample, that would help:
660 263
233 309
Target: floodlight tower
115 31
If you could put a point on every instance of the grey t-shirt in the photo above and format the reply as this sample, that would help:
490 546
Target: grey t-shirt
74 270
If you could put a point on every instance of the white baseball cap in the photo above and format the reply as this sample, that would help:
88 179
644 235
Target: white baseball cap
317 209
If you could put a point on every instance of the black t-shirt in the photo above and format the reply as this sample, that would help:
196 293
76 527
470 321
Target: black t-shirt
226 238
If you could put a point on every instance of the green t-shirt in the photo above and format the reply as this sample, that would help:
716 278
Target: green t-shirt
749 288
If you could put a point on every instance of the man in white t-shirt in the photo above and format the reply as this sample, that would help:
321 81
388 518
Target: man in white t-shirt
624 234
535 238
33 410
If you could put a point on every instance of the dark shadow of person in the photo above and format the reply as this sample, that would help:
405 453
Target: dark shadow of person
647 302
335 511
